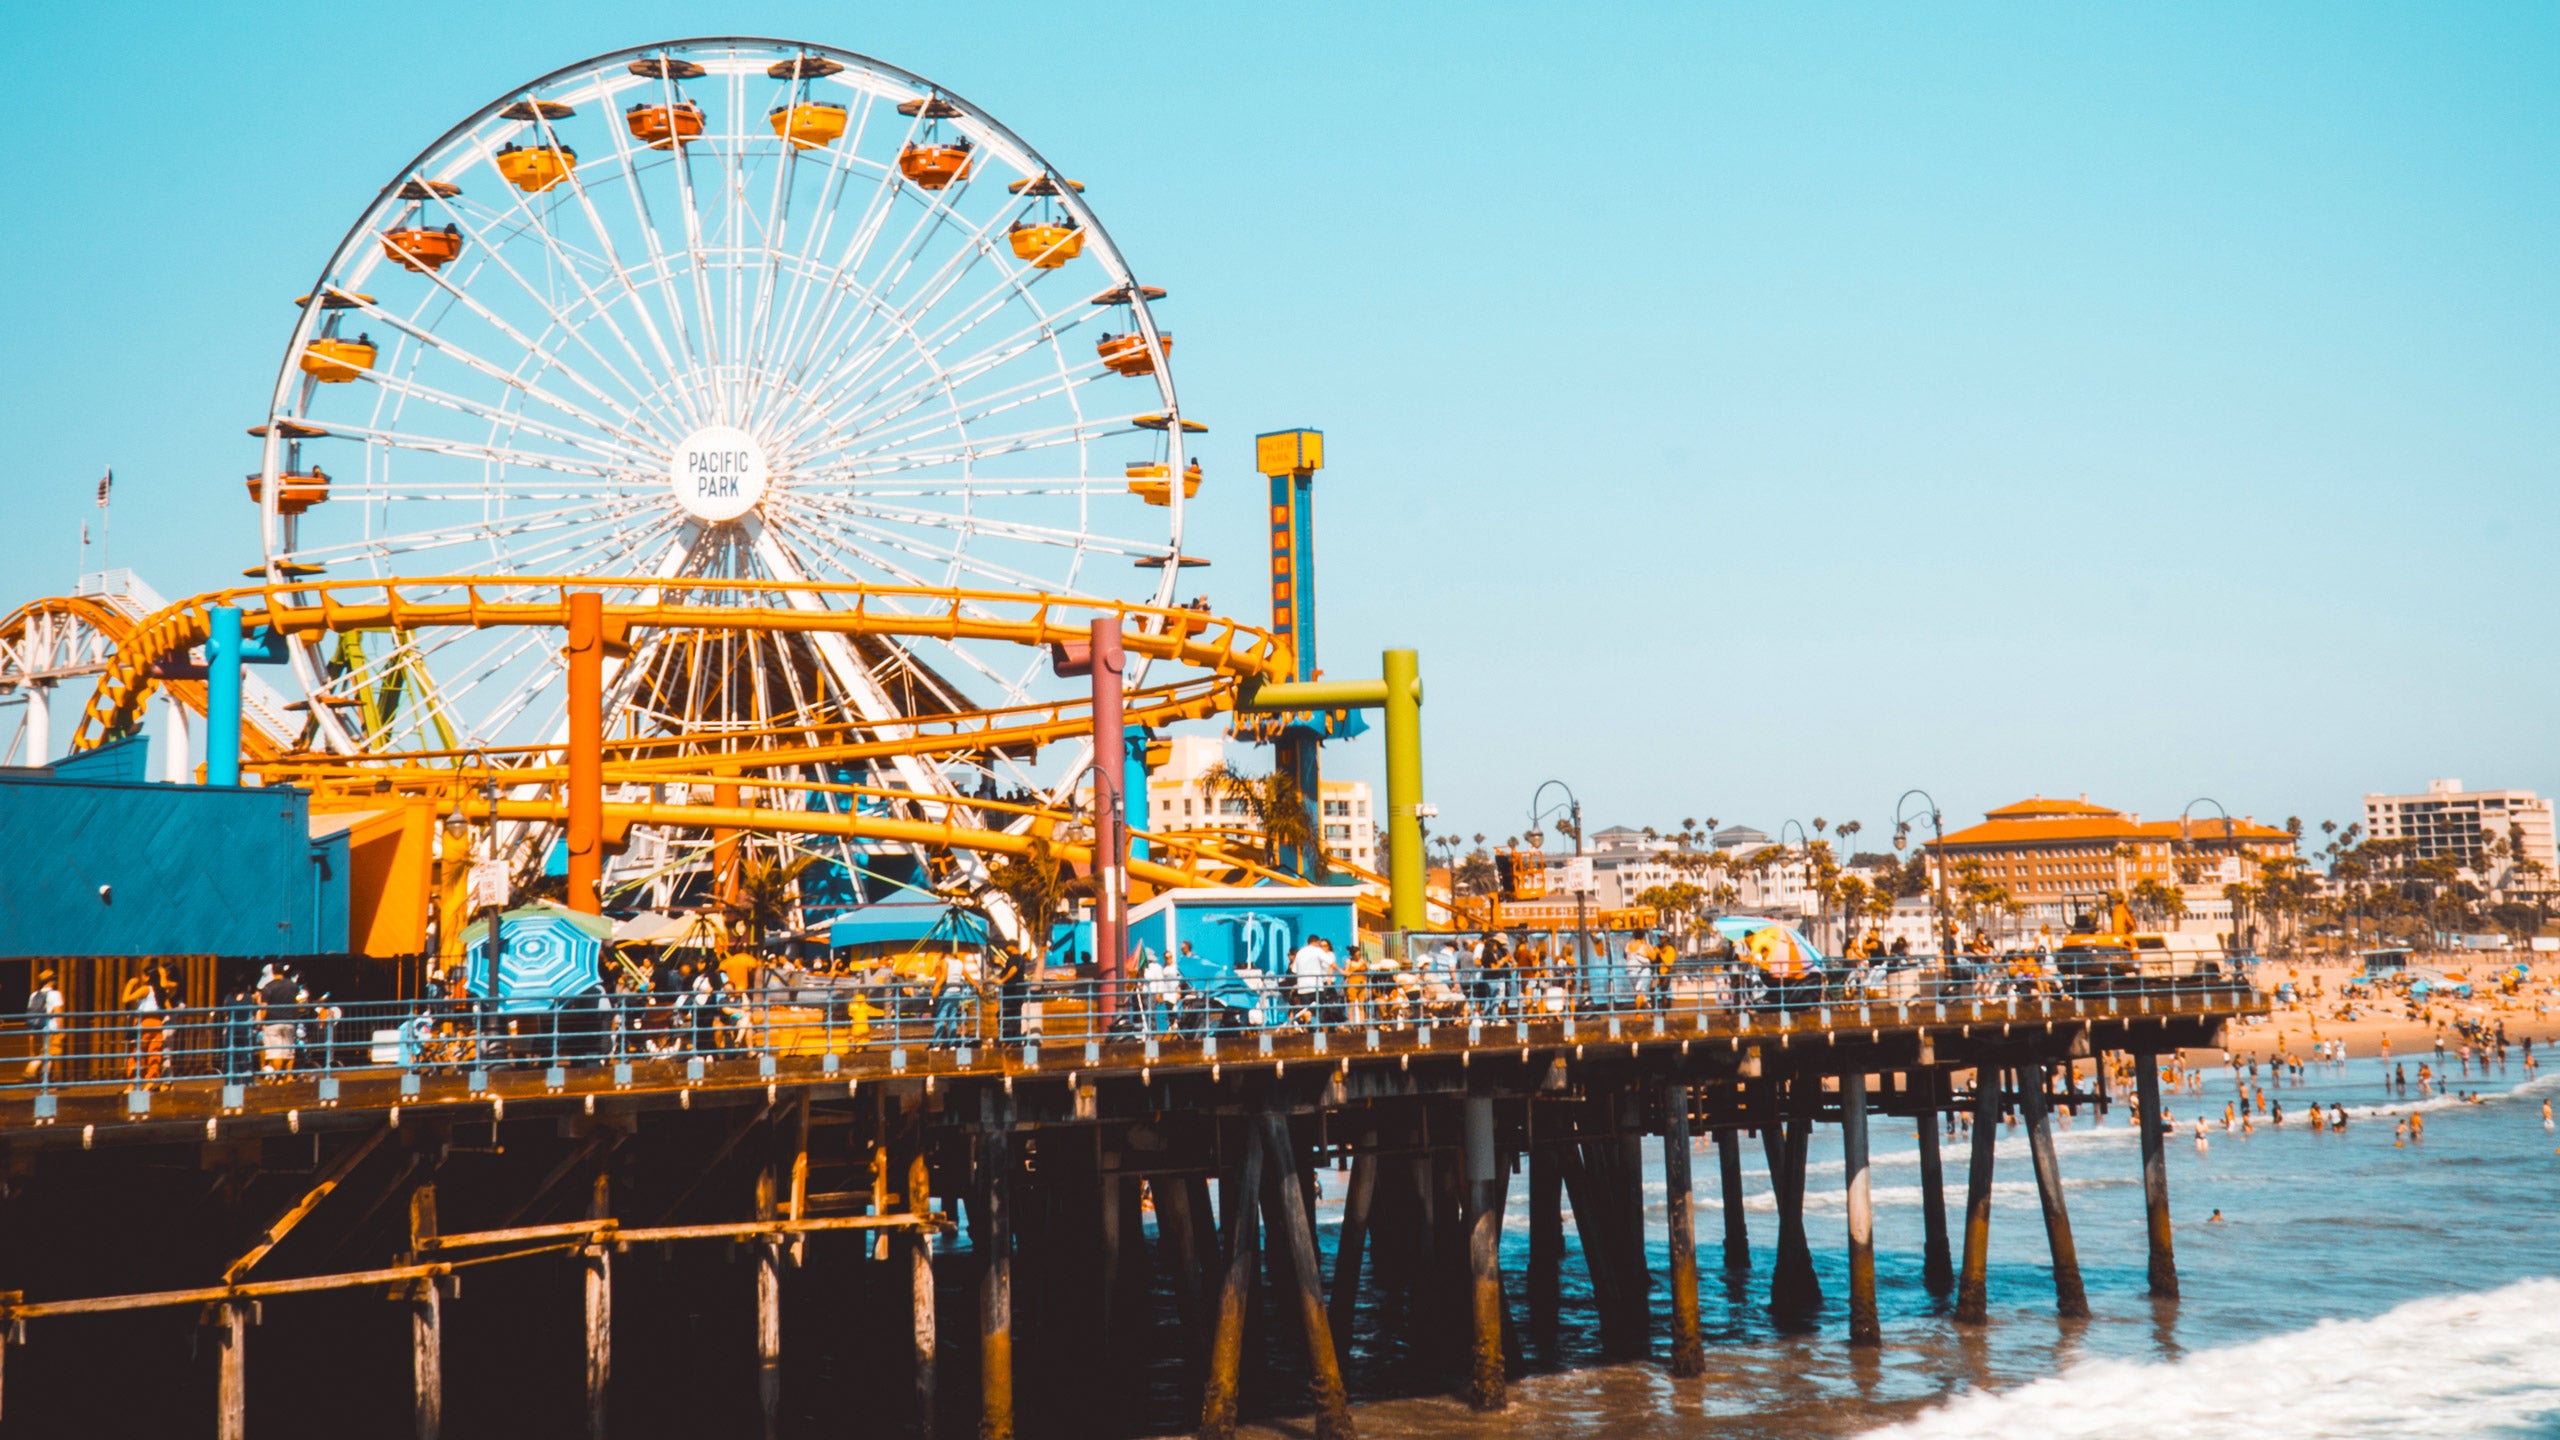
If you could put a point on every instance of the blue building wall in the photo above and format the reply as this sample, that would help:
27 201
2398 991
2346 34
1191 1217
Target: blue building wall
187 870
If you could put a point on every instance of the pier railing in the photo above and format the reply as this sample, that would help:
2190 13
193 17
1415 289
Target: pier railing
825 1023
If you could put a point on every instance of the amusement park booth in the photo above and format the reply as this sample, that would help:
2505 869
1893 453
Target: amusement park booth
1245 928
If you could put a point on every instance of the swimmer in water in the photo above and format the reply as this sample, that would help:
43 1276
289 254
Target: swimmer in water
2399 1134
2337 1117
2214 1219
2202 1144
2546 1115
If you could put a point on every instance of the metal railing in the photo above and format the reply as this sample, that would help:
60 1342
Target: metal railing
794 1015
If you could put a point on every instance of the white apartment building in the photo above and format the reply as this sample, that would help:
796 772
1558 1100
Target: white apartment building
2449 820
1179 800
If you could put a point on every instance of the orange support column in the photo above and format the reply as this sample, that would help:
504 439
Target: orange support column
586 750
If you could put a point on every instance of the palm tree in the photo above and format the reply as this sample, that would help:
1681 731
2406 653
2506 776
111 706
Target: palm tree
1041 892
766 892
1278 809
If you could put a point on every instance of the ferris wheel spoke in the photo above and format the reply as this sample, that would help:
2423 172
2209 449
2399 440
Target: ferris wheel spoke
691 369
913 407
894 456
877 211
411 388
854 362
480 531
560 320
835 172
955 557
816 544
883 402
491 371
976 525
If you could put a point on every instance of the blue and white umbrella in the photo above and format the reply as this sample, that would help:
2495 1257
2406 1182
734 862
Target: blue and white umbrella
546 953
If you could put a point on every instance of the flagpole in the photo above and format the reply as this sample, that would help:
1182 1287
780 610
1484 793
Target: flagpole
106 521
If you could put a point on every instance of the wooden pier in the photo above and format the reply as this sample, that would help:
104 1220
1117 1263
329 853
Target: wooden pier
632 1249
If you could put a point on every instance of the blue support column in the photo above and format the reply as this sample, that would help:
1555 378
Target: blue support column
222 698
1138 812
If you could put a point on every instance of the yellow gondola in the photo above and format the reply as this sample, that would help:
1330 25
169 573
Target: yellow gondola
537 168
809 124
334 361
1046 246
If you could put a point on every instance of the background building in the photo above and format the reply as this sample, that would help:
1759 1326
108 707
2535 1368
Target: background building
2450 821
2058 859
1180 800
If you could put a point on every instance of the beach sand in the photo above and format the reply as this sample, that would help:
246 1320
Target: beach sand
2534 1010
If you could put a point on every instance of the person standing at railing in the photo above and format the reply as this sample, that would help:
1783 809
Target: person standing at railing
275 995
141 996
951 1001
44 1022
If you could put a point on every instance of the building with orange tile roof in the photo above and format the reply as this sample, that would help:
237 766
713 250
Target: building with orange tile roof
2059 858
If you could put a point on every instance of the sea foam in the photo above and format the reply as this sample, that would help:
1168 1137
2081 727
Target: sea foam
2484 1364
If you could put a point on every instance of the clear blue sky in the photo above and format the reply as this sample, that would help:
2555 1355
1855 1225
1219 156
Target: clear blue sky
1749 411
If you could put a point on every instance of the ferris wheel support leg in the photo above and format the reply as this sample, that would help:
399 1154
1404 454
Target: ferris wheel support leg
586 750
222 697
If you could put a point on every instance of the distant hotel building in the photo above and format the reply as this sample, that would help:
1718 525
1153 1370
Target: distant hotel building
1180 801
2059 858
2451 821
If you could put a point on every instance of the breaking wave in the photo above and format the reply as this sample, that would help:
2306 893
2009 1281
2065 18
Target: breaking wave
2484 1364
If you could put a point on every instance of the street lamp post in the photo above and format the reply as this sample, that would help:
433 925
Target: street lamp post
1938 871
1572 805
2186 834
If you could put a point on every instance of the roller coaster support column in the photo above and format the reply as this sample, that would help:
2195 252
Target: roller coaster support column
586 751
221 698
1110 813
1289 459
1398 691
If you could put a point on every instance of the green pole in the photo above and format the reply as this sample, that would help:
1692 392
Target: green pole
1405 872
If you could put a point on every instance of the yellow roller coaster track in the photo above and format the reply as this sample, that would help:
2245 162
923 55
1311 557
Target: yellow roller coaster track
458 782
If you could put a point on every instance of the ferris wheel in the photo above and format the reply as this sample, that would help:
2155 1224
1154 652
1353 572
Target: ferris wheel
720 309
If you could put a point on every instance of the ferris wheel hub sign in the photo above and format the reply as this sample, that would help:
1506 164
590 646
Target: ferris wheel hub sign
718 473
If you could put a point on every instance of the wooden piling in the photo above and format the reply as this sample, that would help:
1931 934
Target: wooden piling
1352 1241
2069 1299
2155 1173
231 1381
1793 1288
1297 1233
1737 1229
1688 1348
1973 1299
995 1276
1177 1250
1599 1256
1487 1388
1546 1232
426 1320
1226 1347
1937 1268
768 1311
597 1262
1864 1328
919 1247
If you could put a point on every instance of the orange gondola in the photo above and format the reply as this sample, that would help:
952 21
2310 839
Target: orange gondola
295 494
534 169
1153 482
663 126
332 360
809 124
1127 354
421 249
1047 246
933 167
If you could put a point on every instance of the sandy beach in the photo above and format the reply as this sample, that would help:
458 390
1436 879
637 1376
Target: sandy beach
2319 1012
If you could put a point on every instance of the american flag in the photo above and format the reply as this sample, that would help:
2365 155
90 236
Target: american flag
106 482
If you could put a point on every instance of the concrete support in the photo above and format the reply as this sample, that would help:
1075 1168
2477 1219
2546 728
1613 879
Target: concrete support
598 1263
918 1244
1737 1229
426 1321
38 735
995 1279
1864 1328
177 766
1296 1232
2069 1298
1680 1203
1487 1388
1235 1289
1937 1268
1973 1301
768 1311
585 838
2155 1173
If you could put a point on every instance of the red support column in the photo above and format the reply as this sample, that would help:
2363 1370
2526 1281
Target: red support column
586 750
1110 816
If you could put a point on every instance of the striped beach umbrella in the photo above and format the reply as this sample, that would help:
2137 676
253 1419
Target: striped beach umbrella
546 953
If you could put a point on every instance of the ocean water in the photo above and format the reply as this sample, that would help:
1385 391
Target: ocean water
2353 1286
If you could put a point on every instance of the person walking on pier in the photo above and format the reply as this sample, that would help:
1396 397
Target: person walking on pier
44 1018
1308 972
142 996
951 1001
